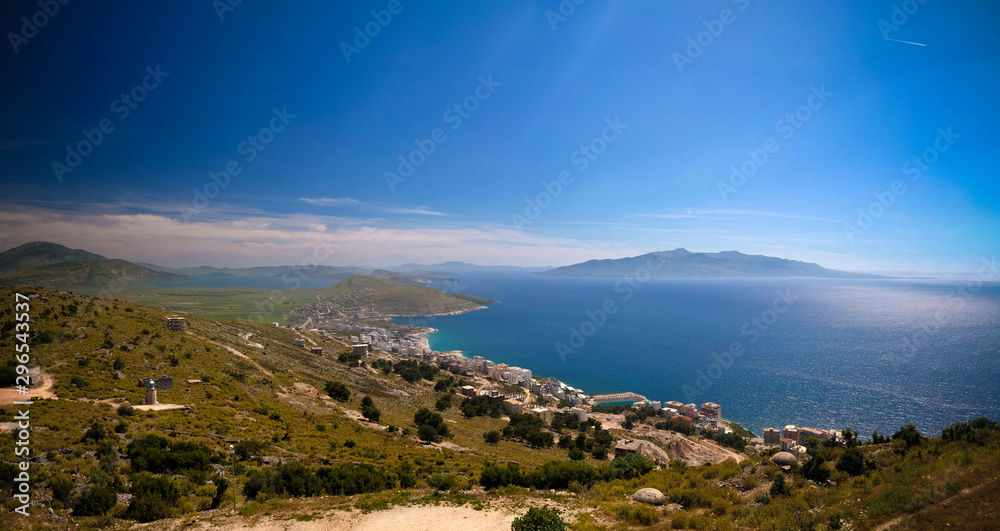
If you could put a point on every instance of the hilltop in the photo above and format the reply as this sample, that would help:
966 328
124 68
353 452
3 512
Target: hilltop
379 298
683 263
36 254
331 437
99 273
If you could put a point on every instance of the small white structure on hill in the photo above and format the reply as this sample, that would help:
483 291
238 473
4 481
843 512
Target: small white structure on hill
162 383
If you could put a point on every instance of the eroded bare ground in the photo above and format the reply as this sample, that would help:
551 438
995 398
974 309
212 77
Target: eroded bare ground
315 515
693 451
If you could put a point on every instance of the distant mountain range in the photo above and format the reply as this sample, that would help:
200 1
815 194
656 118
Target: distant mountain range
461 267
37 254
683 263
78 273
52 265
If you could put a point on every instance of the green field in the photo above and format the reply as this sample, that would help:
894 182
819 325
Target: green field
255 304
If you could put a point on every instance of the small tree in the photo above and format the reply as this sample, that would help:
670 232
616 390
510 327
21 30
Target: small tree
371 413
909 435
815 469
539 519
779 487
443 402
337 391
492 437
851 461
426 432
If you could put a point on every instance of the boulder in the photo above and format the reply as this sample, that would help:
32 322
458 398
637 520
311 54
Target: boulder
650 496
784 459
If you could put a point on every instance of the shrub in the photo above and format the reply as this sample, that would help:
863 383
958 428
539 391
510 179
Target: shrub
126 410
95 433
443 402
539 519
154 497
426 432
909 435
221 486
337 391
638 513
160 455
95 501
851 461
492 437
424 416
371 413
441 482
249 449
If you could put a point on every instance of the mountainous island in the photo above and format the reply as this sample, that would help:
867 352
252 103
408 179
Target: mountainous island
683 263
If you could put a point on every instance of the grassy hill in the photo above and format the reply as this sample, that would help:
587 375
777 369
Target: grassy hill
268 401
95 273
36 254
390 297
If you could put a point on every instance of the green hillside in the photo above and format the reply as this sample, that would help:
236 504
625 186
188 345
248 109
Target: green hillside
269 400
96 273
393 298
35 254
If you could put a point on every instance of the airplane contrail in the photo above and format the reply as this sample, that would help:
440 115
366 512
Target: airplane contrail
906 42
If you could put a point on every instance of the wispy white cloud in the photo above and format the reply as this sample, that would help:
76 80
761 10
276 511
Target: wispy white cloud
289 239
420 210
722 213
330 201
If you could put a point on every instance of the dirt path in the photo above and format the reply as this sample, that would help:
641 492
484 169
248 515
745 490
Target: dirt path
9 395
235 353
251 343
410 518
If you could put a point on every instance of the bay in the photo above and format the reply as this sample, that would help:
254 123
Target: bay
825 353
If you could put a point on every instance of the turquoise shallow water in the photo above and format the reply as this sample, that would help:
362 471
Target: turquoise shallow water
870 354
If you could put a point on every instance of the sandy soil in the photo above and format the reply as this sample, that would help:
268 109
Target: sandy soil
411 518
9 395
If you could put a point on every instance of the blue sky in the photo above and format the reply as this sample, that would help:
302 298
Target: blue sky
640 109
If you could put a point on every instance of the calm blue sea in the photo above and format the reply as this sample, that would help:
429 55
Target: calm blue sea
870 354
